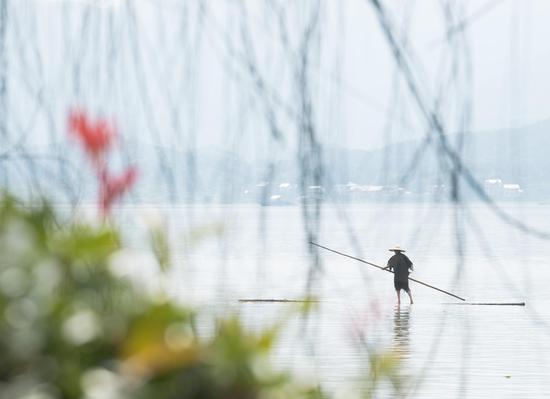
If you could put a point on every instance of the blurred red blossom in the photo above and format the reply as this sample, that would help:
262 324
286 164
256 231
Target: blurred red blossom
97 138
112 188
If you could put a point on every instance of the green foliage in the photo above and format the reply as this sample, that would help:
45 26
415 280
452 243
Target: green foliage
384 365
69 328
161 248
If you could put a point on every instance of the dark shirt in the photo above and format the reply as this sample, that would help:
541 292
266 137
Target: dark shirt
400 265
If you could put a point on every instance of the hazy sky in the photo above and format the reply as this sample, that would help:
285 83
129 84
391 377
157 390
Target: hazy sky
173 76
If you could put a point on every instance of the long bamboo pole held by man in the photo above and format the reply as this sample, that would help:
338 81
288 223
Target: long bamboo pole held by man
389 271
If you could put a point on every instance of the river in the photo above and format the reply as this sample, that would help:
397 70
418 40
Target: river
231 252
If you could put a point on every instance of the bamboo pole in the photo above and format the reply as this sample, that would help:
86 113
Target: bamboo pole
381 268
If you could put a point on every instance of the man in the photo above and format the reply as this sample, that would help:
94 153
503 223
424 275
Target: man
400 265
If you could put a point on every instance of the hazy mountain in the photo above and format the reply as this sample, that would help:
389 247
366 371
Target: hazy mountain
517 156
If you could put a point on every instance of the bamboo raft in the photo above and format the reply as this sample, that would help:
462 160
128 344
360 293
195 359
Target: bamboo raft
488 303
284 300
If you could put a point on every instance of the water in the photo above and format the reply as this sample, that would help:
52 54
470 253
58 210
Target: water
446 350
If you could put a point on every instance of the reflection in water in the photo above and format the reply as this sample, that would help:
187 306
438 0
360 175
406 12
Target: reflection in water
401 331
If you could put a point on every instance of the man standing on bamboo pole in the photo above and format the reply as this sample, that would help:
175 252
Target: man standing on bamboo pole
400 265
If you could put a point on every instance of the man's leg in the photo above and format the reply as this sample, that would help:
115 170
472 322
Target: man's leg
398 296
410 296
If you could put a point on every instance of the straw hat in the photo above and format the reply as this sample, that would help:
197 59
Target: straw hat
396 248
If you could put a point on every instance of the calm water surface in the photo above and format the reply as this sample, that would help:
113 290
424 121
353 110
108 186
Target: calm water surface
226 253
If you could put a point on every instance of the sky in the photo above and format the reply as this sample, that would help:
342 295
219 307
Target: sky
175 74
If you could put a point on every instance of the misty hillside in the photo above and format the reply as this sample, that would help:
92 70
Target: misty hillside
518 156
514 155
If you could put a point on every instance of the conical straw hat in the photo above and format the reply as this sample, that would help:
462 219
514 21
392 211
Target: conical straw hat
397 248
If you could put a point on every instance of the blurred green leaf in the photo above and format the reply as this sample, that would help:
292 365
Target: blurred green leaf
200 234
161 248
84 243
160 339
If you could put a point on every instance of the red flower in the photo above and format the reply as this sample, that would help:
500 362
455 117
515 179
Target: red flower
114 187
96 136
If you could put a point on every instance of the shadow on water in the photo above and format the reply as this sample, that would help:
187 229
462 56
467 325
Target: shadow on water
401 330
